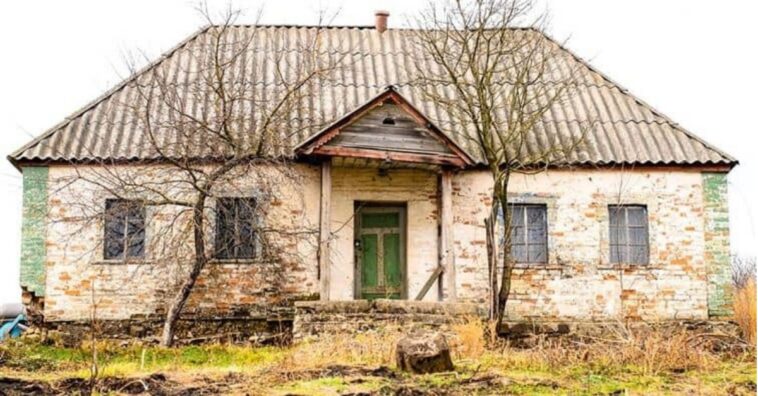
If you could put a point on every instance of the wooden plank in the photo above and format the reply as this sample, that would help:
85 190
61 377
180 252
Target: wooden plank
419 149
370 260
422 120
391 156
428 285
390 130
324 251
447 256
384 141
393 273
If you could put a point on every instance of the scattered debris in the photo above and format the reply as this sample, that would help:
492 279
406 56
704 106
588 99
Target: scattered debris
156 384
13 328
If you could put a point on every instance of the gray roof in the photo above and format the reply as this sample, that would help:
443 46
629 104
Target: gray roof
627 130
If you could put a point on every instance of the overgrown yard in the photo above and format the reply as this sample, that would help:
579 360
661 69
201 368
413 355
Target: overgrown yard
628 362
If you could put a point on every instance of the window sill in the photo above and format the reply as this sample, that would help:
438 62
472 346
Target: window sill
542 266
624 266
234 261
122 262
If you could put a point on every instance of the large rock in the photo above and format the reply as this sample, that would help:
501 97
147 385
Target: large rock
423 353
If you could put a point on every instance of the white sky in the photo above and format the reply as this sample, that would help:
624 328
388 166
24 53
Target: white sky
693 60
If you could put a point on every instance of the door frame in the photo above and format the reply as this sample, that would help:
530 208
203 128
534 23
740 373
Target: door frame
401 208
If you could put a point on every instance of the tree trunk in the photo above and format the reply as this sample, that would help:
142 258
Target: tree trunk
177 305
501 204
490 225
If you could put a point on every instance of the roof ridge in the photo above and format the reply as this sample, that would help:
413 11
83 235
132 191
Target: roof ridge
627 92
294 25
338 26
123 83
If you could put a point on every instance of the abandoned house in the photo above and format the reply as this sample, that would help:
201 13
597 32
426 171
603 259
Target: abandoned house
390 195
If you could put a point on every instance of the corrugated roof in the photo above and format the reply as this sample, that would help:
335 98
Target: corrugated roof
626 130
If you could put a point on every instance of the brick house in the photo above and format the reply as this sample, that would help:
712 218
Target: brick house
400 197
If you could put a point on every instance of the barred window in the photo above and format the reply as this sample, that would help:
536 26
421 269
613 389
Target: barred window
235 228
528 233
628 234
124 229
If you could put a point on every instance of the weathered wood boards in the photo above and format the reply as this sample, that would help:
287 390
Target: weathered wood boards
447 258
387 128
325 229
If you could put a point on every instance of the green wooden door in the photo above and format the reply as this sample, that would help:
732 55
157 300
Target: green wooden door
380 253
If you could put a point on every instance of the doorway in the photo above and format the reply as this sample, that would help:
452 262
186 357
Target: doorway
380 251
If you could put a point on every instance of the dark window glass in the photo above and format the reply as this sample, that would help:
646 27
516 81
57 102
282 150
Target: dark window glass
529 233
235 228
124 229
628 234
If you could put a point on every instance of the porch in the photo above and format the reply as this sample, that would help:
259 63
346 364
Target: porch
386 211
313 318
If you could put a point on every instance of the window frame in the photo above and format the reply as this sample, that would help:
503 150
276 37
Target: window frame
124 207
220 237
526 207
625 251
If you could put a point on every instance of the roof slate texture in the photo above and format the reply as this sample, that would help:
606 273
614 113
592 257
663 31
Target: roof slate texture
626 130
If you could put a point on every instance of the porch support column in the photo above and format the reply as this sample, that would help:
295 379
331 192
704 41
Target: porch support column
325 221
447 258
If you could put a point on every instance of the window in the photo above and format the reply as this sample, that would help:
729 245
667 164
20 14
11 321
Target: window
124 229
235 229
629 235
529 233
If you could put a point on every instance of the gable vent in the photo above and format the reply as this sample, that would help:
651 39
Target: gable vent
388 121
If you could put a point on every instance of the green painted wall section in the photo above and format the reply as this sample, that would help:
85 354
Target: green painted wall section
717 254
33 229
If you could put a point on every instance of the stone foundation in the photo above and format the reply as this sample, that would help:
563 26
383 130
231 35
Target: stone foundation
520 329
721 334
313 318
243 329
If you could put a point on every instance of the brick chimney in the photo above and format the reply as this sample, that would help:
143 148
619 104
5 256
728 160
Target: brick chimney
381 20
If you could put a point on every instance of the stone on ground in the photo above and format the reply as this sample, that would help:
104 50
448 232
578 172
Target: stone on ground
423 353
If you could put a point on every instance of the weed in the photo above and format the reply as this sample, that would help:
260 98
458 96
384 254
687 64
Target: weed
469 338
744 309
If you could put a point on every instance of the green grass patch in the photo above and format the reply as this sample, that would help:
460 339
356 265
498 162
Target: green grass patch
35 358
330 386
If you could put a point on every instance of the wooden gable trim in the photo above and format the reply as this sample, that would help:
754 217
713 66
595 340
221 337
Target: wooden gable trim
390 156
316 143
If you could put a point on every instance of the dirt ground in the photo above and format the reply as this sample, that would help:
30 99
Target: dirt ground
344 380
333 380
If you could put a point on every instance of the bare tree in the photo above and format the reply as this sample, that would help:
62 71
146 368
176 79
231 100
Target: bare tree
743 270
497 77
216 157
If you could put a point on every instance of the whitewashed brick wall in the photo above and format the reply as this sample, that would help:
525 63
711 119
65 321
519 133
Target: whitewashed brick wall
577 283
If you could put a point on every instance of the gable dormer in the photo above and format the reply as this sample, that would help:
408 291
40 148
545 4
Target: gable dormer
388 128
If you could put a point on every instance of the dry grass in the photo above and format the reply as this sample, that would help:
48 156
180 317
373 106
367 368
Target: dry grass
745 309
642 349
638 350
470 338
647 352
377 348
368 349
640 361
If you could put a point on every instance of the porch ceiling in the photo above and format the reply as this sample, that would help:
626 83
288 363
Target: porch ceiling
353 162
